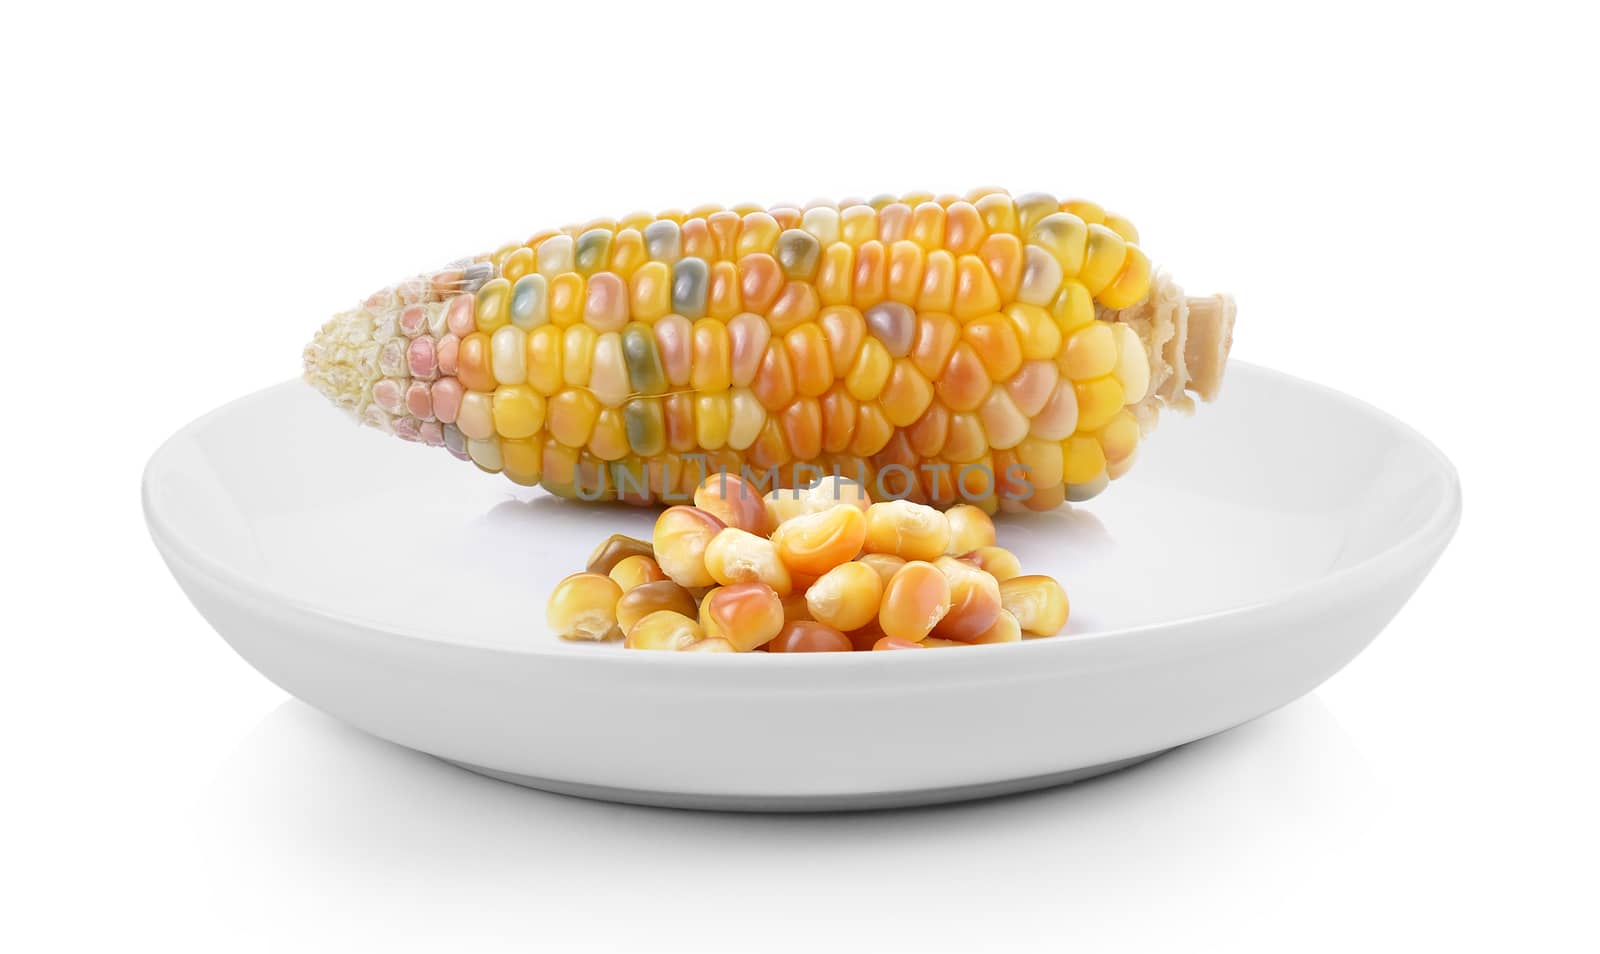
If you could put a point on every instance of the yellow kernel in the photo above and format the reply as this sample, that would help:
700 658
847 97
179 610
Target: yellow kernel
1102 263
584 606
680 540
908 530
815 543
1120 438
521 461
915 599
738 556
970 529
664 630
566 299
1037 332
543 359
518 410
1099 401
870 371
1132 282
650 291
1091 351
998 562
712 418
1083 460
634 571
1038 602
711 644
577 355
1064 236
848 596
1072 308
883 564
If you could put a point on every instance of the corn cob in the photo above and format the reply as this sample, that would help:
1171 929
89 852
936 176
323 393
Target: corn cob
1007 352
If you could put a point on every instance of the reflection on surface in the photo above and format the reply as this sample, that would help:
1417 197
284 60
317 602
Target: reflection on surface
307 806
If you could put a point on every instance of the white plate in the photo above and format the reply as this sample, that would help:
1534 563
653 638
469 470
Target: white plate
1252 551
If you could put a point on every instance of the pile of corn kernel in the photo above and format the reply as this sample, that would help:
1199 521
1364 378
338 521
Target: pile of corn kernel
821 569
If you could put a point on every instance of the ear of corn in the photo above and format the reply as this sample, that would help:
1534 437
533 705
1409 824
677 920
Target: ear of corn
1007 351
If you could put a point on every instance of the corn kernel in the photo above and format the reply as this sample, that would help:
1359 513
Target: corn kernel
809 636
995 340
908 530
664 630
584 606
915 599
885 565
731 499
682 535
1004 630
848 596
794 605
974 600
634 571
970 529
1104 259
815 543
1133 364
998 562
518 410
651 597
830 491
895 642
738 556
1099 400
1038 602
1132 282
711 644
1083 459
747 615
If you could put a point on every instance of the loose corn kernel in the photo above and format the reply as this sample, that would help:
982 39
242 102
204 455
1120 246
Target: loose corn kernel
970 529
682 535
634 571
895 642
711 644
809 636
647 598
915 599
1004 630
738 556
830 491
848 596
731 499
1038 602
908 530
974 600
885 565
815 543
664 630
998 562
584 606
794 604
937 642
613 550
747 615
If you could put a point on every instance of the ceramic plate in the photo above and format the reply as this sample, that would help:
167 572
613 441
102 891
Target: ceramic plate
1252 551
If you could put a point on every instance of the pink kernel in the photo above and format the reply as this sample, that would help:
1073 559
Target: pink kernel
388 395
446 395
407 429
432 433
421 358
605 306
413 321
459 317
445 354
419 401
672 340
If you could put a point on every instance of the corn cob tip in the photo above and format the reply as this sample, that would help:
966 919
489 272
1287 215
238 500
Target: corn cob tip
342 360
1187 338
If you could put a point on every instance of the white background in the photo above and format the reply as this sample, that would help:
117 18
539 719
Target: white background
1402 198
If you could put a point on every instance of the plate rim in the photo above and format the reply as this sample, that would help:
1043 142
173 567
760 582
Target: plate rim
1420 546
